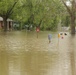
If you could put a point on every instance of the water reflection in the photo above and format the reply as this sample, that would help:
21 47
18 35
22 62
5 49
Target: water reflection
22 54
37 63
4 63
72 54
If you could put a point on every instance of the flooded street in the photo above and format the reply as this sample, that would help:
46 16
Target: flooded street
22 53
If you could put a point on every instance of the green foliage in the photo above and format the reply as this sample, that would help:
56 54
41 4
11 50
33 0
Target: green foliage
50 24
66 21
43 13
5 6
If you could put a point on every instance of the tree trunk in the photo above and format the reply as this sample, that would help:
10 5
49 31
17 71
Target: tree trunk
40 22
5 24
72 24
72 14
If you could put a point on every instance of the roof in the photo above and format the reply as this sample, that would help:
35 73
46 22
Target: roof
9 19
1 19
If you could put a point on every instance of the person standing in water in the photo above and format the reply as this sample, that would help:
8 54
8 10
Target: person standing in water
49 37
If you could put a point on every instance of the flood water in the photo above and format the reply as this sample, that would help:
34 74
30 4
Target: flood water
22 53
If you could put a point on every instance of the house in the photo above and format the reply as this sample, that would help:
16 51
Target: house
9 23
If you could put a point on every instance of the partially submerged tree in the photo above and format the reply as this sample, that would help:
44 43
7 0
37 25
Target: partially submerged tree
71 9
6 9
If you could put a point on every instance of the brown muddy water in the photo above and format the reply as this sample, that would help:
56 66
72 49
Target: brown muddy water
22 53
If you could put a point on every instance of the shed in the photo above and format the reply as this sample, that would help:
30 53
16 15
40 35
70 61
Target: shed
9 23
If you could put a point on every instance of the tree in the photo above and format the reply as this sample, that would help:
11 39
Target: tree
42 12
6 9
71 9
35 12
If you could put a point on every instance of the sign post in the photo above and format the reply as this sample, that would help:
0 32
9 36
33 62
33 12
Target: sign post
37 30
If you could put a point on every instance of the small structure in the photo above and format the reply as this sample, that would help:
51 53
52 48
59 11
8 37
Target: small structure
9 23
